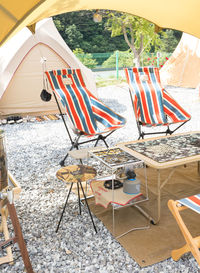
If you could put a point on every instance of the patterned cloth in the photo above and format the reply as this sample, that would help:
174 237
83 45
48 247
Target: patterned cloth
104 196
192 202
152 104
76 173
85 111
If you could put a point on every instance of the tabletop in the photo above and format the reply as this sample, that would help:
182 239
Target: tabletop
115 157
166 151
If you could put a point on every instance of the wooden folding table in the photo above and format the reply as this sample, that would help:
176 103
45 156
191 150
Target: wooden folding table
165 152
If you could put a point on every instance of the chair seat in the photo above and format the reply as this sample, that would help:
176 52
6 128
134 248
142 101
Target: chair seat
192 202
192 243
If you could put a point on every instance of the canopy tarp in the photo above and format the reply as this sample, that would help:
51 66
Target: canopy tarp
182 15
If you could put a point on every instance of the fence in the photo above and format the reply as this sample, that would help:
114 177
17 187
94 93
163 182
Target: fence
117 60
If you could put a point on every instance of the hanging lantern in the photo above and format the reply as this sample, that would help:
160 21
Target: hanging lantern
3 163
97 17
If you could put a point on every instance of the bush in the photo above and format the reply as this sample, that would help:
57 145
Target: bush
85 58
154 60
125 58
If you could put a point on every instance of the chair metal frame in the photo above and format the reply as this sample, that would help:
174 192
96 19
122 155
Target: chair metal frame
75 142
97 136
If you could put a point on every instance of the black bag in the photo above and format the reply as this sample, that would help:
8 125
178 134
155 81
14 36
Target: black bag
45 96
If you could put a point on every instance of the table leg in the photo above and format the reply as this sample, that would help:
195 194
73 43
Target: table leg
160 185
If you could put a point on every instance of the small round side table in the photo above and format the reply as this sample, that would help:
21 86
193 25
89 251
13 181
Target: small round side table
76 174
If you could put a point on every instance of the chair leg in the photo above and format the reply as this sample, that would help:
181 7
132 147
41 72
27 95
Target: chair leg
192 244
100 137
178 127
96 141
105 142
88 207
64 208
75 144
62 162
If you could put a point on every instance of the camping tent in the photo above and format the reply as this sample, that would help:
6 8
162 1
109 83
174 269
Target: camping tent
183 67
21 69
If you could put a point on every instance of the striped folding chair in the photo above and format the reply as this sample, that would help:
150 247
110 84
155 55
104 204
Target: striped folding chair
152 104
192 244
88 115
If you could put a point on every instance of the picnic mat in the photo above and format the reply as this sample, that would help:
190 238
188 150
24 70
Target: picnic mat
155 244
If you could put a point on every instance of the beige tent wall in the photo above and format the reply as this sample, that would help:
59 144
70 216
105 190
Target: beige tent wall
21 70
183 67
18 99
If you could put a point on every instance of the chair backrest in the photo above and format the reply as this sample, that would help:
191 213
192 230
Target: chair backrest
192 202
145 85
152 104
82 107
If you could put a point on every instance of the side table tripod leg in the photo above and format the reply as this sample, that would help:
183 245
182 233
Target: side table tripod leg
79 199
88 207
19 237
64 207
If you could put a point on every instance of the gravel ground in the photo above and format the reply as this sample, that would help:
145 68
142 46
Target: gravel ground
34 151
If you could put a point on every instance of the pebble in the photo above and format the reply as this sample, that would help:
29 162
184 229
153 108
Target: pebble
34 150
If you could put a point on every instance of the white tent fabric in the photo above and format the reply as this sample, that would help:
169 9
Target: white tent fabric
183 67
21 69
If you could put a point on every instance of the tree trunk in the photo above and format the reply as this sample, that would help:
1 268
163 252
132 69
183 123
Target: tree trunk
136 60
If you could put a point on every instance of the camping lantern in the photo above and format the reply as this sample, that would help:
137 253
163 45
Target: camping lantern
97 17
131 184
3 163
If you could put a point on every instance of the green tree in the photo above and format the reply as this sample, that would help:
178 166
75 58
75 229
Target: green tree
74 36
139 33
80 31
125 59
85 58
170 40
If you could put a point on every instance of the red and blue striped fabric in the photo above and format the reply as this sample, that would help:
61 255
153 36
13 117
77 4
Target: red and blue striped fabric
192 202
153 106
83 108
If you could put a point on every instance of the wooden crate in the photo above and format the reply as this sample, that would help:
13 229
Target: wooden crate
15 186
